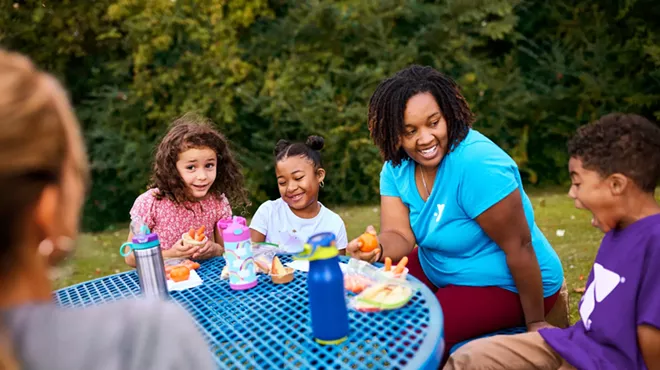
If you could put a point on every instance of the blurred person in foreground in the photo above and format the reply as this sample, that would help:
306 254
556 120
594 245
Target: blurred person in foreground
43 178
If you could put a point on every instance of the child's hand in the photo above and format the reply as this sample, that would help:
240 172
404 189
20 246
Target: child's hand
210 249
180 250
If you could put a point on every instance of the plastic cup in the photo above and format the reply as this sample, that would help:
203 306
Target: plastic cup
287 277
390 273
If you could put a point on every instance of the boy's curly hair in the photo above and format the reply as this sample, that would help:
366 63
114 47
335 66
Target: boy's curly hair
620 143
388 104
192 131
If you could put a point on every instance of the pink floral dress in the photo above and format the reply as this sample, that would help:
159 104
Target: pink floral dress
170 219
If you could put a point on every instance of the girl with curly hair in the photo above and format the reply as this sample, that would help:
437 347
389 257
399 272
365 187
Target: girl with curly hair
195 179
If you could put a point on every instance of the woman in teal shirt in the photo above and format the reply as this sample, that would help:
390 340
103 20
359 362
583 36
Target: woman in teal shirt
455 194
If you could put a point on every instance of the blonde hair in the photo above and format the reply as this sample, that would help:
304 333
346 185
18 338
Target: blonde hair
38 135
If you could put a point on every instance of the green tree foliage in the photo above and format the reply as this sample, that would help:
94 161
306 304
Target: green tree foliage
262 70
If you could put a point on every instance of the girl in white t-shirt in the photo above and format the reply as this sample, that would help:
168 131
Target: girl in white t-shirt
297 214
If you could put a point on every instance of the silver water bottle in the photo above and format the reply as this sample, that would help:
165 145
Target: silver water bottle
145 246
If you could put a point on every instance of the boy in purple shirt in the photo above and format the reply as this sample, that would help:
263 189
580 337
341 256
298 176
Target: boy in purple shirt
614 167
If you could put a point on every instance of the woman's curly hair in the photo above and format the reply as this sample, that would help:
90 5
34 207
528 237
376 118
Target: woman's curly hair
192 131
628 144
388 104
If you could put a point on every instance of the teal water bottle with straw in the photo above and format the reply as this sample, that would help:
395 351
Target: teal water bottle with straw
145 246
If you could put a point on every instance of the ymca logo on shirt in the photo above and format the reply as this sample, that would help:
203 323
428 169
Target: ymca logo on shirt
438 213
605 281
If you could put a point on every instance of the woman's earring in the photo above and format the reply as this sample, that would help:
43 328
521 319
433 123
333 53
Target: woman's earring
62 244
321 184
46 248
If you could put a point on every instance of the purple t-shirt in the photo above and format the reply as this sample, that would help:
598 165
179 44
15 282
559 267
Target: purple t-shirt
623 292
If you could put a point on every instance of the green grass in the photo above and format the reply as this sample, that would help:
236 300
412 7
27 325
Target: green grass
98 254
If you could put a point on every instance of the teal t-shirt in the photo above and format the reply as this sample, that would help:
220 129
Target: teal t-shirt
453 248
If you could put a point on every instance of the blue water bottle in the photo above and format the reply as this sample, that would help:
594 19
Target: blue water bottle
325 287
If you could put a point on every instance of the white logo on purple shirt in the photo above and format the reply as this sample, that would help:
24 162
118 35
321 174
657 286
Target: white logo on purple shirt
604 283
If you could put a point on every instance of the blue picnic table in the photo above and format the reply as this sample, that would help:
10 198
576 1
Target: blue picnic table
268 327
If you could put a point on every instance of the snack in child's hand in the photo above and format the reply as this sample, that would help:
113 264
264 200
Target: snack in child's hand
388 264
179 273
367 242
194 237
199 234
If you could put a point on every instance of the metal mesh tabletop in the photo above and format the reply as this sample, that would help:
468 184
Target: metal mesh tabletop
268 327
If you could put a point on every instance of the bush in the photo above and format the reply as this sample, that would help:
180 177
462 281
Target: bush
532 70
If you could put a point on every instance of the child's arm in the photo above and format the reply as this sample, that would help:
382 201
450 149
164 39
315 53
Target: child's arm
256 236
177 251
649 344
342 238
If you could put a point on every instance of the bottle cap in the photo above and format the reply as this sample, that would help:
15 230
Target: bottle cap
234 230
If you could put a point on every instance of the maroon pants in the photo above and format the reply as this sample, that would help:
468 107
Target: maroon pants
474 311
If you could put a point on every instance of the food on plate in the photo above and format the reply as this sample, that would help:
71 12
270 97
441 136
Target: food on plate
263 264
171 264
277 268
179 273
364 307
284 277
400 271
356 283
280 274
388 264
400 266
367 242
385 296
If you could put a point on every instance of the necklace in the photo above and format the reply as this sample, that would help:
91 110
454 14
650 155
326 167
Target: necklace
428 194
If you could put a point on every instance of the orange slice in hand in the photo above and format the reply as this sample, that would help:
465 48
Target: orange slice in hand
368 242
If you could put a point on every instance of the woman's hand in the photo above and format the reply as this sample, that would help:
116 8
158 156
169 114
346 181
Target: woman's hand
353 249
210 249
